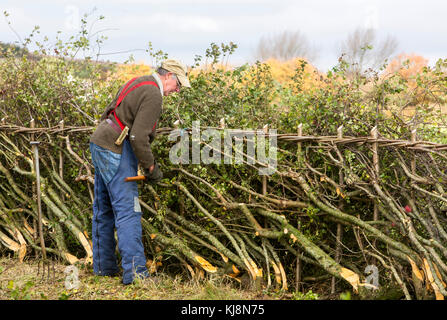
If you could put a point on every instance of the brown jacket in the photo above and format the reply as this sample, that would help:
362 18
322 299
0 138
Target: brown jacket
140 111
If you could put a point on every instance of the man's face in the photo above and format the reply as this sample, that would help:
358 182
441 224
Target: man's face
171 84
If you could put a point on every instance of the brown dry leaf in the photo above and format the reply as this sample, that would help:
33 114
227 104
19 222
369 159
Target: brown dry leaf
351 277
151 266
418 277
157 249
429 274
205 264
439 276
416 270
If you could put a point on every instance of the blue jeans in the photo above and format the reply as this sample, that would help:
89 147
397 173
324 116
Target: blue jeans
116 206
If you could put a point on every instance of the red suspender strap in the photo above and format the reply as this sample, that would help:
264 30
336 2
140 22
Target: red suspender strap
124 93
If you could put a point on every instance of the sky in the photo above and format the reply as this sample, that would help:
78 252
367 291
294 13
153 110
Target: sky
186 28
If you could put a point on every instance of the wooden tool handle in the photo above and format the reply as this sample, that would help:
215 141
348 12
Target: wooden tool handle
136 178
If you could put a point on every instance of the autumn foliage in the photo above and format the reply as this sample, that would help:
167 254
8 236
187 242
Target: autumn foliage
284 72
125 72
408 67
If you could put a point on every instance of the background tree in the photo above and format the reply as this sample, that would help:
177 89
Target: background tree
411 69
286 72
285 46
16 50
363 51
407 65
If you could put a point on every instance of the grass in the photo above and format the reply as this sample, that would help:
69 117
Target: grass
19 281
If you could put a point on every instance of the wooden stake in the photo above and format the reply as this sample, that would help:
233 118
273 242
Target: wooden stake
375 149
264 178
298 266
300 134
413 161
340 206
374 135
61 159
222 123
298 251
34 221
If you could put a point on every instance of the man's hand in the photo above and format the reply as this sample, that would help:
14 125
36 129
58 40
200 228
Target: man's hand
153 174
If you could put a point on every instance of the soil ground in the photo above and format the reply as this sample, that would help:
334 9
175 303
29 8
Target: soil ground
21 281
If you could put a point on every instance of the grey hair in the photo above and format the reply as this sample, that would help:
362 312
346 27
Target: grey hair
161 71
